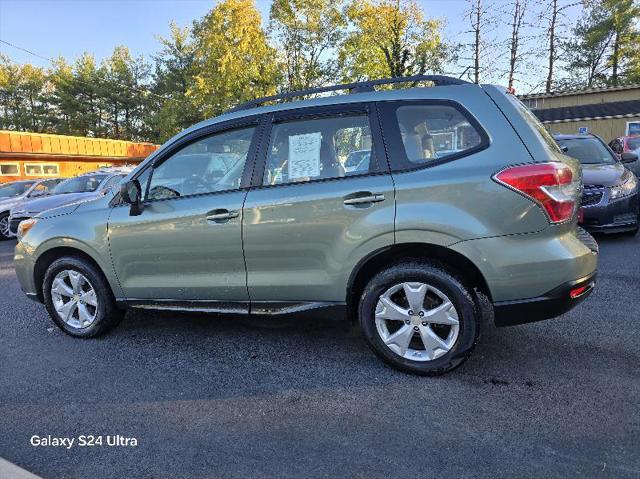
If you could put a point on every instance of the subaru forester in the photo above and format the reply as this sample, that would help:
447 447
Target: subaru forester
461 208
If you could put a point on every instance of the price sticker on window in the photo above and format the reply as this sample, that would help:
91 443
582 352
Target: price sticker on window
304 155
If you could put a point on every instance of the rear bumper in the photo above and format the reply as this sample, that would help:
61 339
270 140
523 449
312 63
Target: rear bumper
554 303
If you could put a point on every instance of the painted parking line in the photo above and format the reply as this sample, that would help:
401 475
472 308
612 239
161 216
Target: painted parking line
11 471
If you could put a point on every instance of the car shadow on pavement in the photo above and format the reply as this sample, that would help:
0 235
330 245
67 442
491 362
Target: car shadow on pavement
294 347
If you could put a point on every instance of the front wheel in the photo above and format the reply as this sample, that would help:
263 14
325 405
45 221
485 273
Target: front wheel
79 299
5 233
418 317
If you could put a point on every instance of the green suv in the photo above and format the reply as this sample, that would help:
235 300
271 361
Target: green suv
462 208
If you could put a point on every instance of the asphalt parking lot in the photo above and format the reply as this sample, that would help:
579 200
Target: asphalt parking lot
302 397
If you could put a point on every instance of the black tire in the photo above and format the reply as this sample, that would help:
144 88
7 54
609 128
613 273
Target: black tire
107 314
446 281
3 237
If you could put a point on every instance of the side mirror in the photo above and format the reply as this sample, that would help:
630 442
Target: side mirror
628 157
131 193
564 149
36 193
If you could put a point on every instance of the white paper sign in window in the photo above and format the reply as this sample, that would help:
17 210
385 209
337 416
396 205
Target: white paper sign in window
304 155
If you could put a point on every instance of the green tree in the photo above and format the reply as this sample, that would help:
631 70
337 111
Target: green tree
391 38
126 95
307 31
604 48
587 50
233 61
78 97
173 108
623 18
23 100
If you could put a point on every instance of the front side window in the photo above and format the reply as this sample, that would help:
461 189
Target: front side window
588 151
212 164
434 132
319 148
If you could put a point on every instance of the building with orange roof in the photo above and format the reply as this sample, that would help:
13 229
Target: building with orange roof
38 155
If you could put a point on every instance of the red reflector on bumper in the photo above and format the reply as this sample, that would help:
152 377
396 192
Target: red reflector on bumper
579 291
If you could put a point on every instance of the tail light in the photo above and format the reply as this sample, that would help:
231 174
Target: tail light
551 185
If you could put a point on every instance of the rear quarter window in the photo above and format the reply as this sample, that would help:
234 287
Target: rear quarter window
428 133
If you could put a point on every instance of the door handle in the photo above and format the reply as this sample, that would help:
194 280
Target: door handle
221 215
366 198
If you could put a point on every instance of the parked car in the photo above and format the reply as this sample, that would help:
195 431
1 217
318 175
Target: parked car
625 148
16 193
81 188
610 198
420 248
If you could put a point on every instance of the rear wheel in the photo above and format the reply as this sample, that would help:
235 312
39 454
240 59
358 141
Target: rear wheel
4 227
419 318
79 299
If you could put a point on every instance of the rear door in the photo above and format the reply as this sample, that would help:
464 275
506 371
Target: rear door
307 219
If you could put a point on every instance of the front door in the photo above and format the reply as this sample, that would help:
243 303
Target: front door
187 245
322 199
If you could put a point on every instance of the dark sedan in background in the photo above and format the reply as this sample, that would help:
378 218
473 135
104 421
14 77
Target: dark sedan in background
610 201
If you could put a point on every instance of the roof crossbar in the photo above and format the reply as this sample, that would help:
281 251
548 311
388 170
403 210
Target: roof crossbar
357 87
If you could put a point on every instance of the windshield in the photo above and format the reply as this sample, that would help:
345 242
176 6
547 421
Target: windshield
633 143
81 184
589 151
15 189
530 118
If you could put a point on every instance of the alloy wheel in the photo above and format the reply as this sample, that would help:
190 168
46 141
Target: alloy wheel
4 226
417 321
74 299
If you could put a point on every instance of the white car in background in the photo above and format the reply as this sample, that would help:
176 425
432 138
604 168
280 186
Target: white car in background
17 192
81 188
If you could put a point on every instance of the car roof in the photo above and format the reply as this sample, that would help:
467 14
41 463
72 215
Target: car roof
415 93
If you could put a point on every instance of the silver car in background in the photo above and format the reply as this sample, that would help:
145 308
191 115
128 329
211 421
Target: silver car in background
81 188
16 193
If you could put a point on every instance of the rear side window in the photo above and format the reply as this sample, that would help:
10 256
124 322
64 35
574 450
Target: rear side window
433 132
319 148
